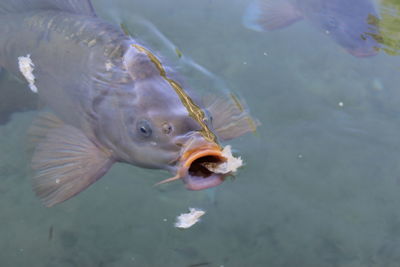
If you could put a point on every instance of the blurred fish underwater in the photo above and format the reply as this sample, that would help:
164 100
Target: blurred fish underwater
351 24
111 99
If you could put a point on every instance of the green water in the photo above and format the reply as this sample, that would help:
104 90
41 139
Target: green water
321 185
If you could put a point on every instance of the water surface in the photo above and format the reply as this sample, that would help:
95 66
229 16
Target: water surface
321 185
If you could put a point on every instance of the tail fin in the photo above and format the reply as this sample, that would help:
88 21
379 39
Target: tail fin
83 7
267 15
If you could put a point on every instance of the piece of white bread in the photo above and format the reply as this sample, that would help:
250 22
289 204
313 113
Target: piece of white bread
230 166
187 220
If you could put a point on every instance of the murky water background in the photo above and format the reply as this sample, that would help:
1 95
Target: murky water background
321 185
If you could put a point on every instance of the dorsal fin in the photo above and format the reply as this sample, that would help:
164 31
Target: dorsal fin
83 7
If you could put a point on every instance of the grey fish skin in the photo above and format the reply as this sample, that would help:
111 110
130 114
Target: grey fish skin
68 51
80 74
114 101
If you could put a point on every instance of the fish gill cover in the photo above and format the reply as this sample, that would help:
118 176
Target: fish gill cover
207 90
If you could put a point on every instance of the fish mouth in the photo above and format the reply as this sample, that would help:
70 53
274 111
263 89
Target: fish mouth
196 174
193 168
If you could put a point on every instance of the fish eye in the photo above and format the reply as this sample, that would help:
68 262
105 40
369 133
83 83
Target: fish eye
144 128
167 128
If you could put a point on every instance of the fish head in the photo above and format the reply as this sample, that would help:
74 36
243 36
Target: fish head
163 134
353 25
161 125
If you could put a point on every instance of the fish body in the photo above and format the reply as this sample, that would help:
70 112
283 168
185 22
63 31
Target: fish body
67 50
112 100
351 24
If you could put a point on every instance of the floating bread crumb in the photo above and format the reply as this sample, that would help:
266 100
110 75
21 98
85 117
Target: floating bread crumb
230 166
187 220
26 67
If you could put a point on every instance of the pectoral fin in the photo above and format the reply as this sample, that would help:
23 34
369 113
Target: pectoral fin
230 117
41 126
65 163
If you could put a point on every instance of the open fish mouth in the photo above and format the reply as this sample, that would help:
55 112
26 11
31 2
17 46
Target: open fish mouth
196 168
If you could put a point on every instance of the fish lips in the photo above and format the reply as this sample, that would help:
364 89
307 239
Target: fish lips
192 167
196 175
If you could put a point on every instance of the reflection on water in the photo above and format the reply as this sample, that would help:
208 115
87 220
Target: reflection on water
322 178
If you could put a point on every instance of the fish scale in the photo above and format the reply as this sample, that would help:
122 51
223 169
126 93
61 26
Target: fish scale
111 101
